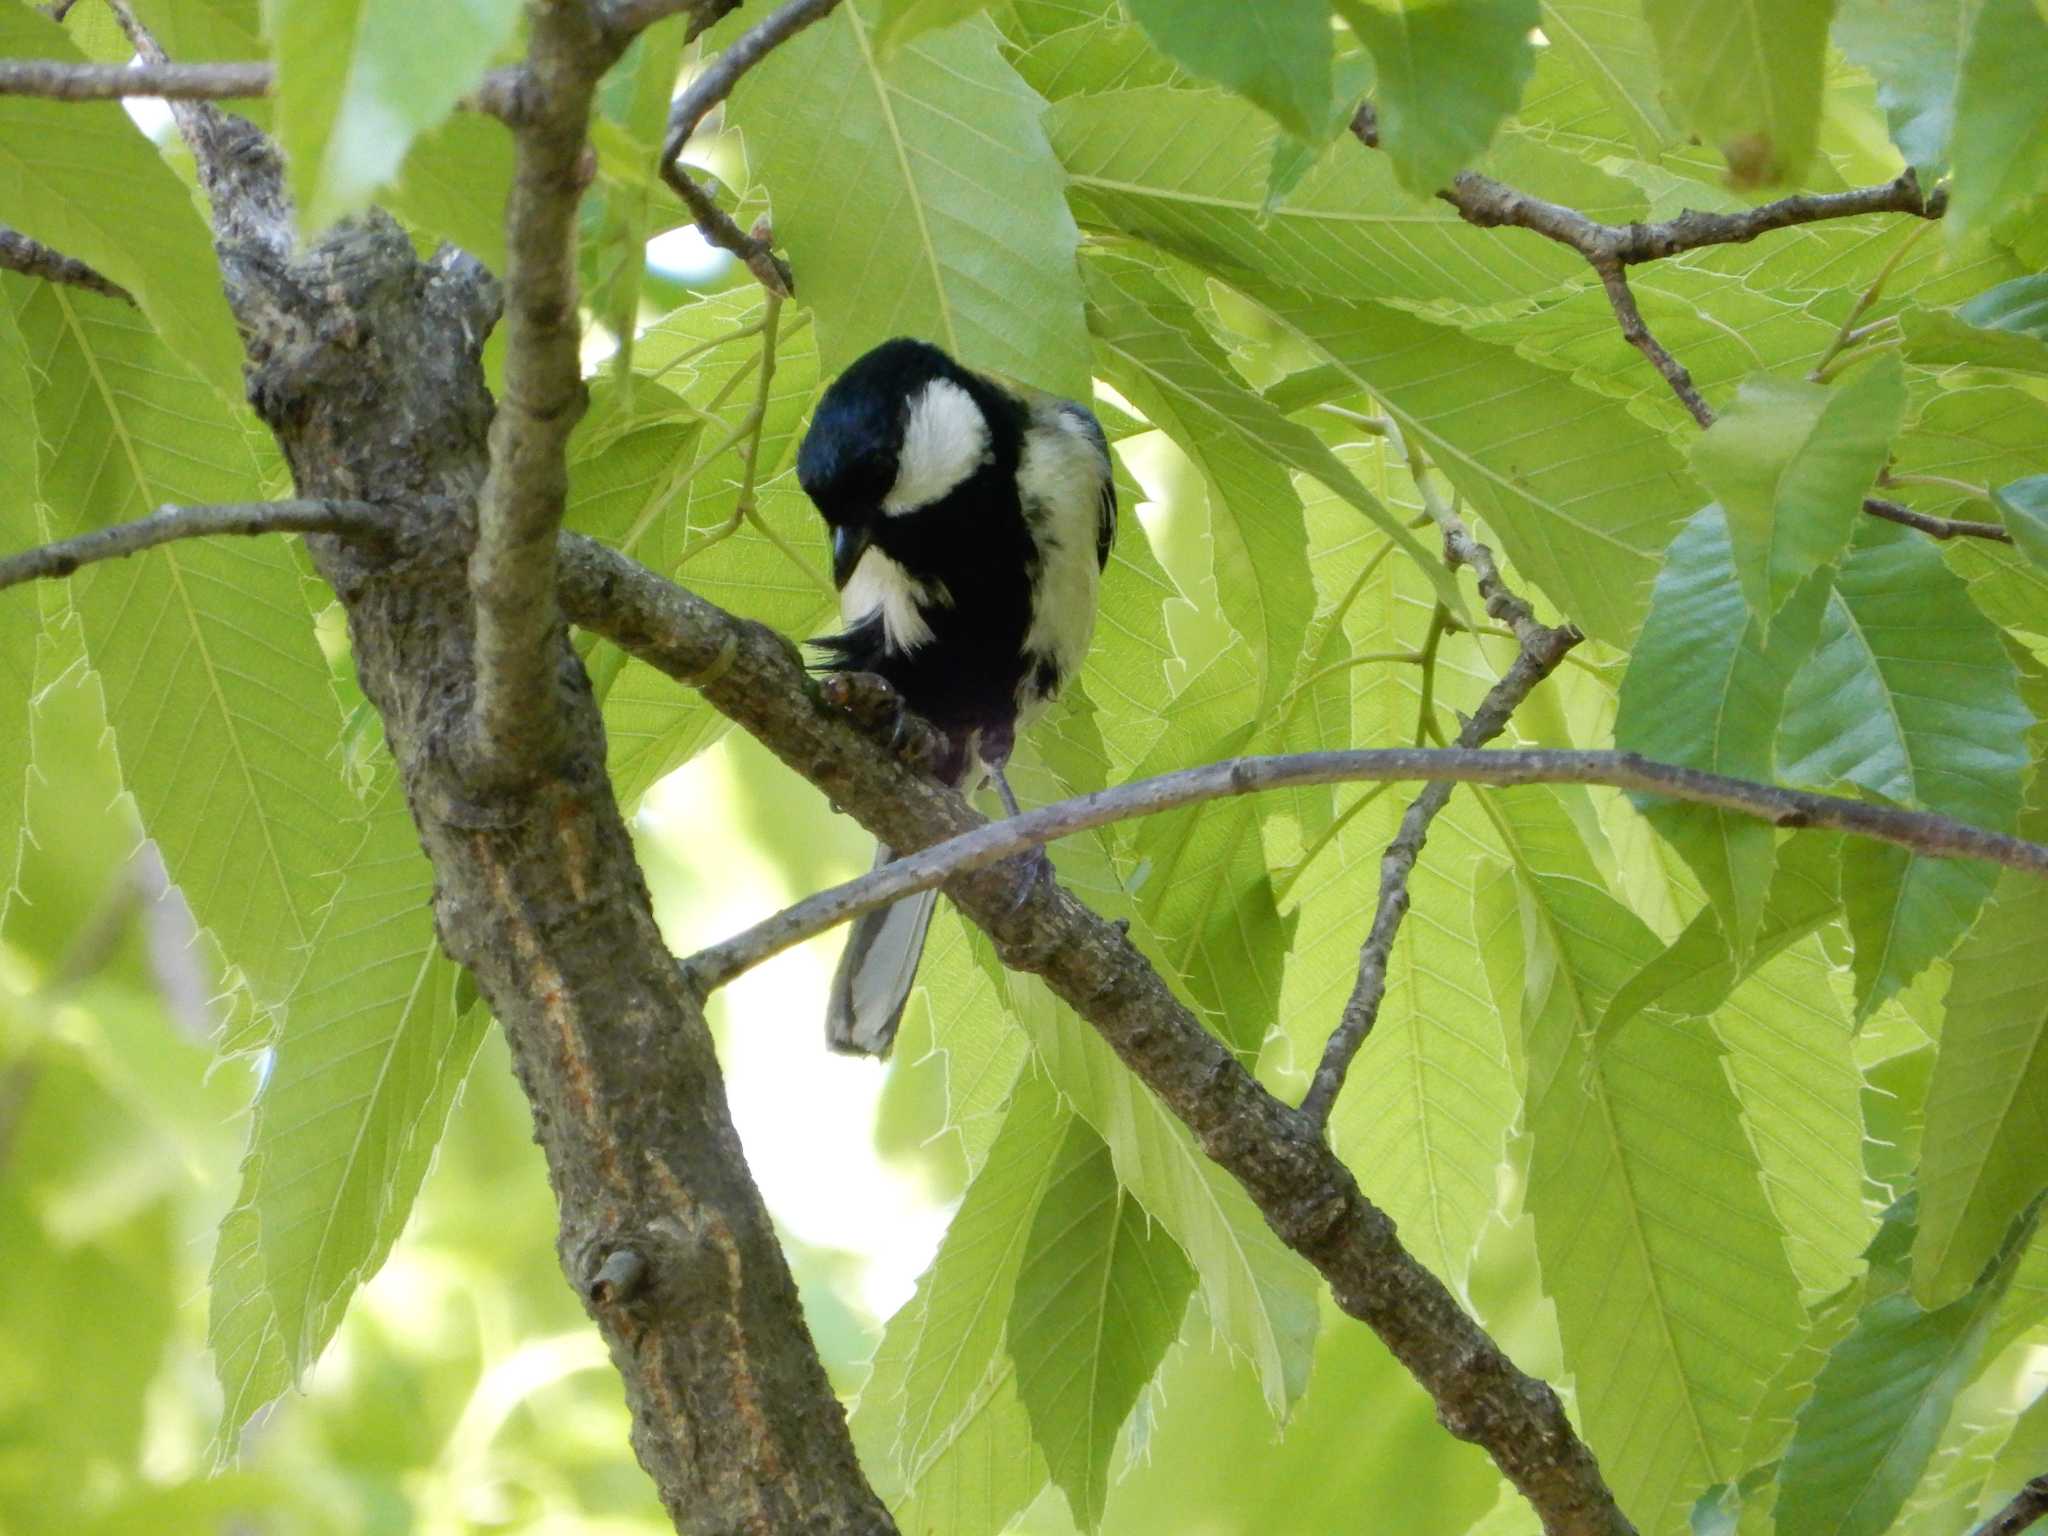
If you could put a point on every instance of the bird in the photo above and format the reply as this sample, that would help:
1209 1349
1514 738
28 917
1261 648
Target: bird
970 521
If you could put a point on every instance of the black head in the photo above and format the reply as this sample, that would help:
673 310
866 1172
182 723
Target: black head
853 462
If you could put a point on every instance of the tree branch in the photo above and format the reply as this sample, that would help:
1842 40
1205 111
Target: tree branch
516 721
1935 527
711 87
31 258
2027 1506
355 519
501 93
757 678
1443 767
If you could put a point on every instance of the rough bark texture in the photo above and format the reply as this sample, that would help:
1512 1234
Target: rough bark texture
365 363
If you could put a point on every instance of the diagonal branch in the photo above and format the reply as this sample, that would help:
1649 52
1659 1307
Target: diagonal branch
31 258
1313 1202
356 519
710 88
1539 650
2027 1506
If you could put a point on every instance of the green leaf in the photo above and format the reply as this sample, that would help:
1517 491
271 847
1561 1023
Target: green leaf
1912 51
1790 462
1099 1298
20 621
359 80
1447 76
2024 506
218 695
1583 496
1791 1058
1696 974
1194 183
919 198
1260 1295
902 20
1747 78
1878 1407
961 1457
2001 135
1102 54
364 1071
1276 53
79 176
1705 690
1155 351
453 186
1986 1153
1610 45
1910 697
2003 327
1625 1144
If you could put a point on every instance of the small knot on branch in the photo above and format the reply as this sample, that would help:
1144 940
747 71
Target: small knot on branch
620 1278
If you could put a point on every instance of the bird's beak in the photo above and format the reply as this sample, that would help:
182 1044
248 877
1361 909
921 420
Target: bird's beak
849 543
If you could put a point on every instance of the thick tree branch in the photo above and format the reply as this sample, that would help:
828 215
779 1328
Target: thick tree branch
695 104
31 258
2027 1506
1311 1199
537 890
351 519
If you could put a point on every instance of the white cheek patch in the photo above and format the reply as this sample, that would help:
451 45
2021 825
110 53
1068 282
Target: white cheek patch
879 584
945 439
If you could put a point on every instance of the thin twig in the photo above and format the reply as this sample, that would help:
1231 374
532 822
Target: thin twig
503 93
628 16
1934 527
1921 831
1614 278
354 519
711 87
31 258
2027 1506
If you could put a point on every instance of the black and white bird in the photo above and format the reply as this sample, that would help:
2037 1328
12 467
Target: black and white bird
970 520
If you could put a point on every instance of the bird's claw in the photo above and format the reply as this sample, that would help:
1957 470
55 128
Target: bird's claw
1035 870
878 709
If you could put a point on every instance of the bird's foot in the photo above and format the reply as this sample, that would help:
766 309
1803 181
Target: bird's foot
878 709
1034 872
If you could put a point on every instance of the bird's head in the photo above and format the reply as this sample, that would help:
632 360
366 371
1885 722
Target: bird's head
896 432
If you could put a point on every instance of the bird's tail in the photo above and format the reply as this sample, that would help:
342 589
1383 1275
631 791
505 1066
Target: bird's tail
876 972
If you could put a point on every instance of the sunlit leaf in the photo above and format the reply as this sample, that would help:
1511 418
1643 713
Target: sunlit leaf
1986 1154
1747 78
1193 181
1583 495
902 20
919 197
19 619
1099 1297
2003 327
1611 46
359 80
364 1070
80 176
1626 1143
1446 76
217 694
